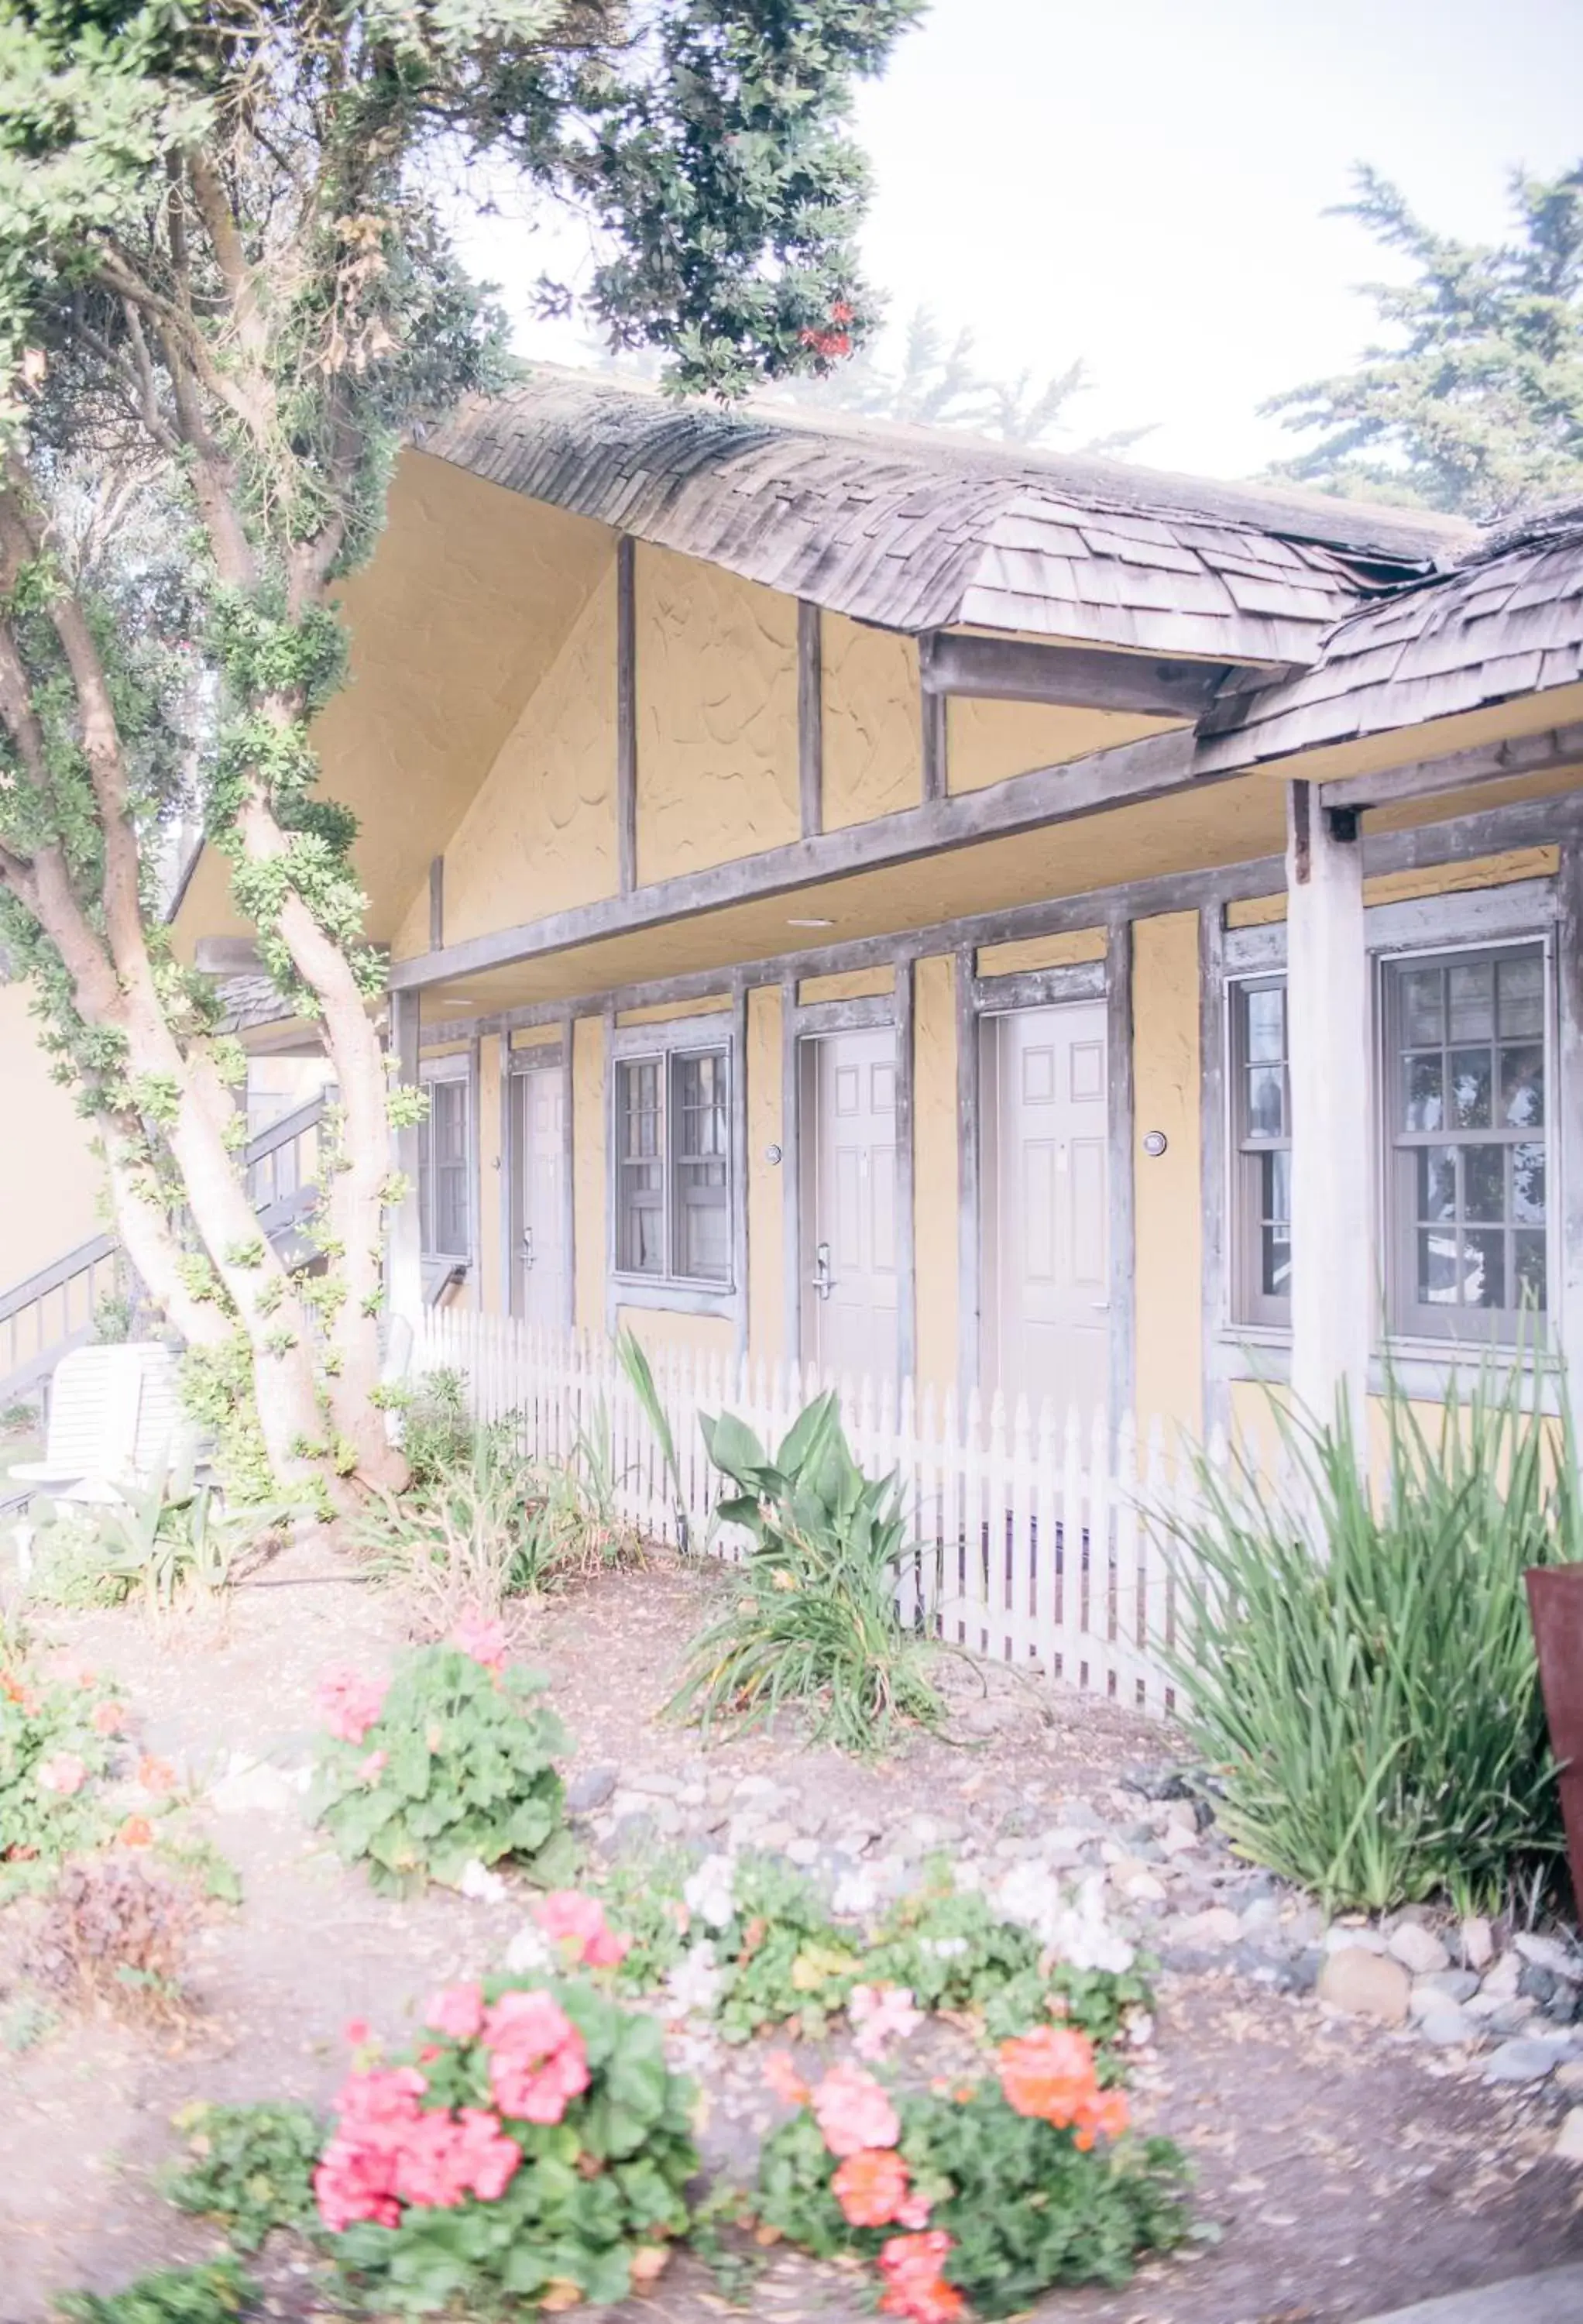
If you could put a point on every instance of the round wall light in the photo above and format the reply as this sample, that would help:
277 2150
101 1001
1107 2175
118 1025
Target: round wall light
1155 1143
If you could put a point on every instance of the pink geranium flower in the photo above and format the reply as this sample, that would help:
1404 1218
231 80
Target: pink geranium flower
883 2014
538 2061
780 2071
371 1769
853 2111
63 1774
456 2010
106 1717
577 1921
485 1640
349 1703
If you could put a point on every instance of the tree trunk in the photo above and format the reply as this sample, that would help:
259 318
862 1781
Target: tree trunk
150 1241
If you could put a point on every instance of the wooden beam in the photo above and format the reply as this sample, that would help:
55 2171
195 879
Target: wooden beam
404 1249
1147 768
436 903
1082 677
810 716
626 713
1519 754
932 711
906 1277
1121 1386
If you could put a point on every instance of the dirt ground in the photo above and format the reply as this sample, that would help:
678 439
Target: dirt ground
1347 2171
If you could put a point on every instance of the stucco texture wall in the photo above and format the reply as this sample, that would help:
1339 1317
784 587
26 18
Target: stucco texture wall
49 1183
872 726
985 742
1168 1188
664 1327
766 1340
717 716
937 1179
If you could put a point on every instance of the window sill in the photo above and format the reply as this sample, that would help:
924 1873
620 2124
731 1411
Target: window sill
680 1298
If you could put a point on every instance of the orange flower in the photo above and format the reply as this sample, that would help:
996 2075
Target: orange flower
1050 2074
107 1718
156 1776
782 2074
870 2186
136 1832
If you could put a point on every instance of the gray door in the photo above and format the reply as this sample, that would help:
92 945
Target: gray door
1046 1210
538 1150
848 1084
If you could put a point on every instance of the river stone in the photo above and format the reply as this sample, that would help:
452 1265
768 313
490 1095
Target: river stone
1343 1939
1568 2145
1364 1984
1520 2062
1544 1952
1218 1926
1419 1951
1478 1942
1448 2027
1443 1988
589 1791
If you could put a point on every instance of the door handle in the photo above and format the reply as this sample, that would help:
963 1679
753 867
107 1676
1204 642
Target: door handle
527 1246
822 1281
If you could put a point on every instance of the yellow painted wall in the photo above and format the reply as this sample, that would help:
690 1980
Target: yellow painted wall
1430 880
588 1171
540 837
491 1176
873 723
936 1182
985 742
1065 951
661 1012
767 1336
49 1183
535 1037
717 716
1168 1190
661 1327
850 984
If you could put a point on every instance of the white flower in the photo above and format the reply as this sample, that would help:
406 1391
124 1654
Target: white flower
709 1891
944 1948
855 1894
527 1952
1140 2027
485 1886
1077 1933
693 1982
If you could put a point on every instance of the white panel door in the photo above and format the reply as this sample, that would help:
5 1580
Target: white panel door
538 1268
1046 1224
848 1207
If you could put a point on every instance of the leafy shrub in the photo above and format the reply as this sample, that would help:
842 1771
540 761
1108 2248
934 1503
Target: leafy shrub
750 1941
1374 1717
812 1618
116 1935
451 1765
643 1897
250 2168
54 1744
215 2293
171 1538
437 1428
991 2194
535 2152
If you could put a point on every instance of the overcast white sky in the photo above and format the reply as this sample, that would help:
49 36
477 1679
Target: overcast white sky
1142 182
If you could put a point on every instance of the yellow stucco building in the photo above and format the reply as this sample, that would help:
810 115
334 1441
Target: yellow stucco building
936 909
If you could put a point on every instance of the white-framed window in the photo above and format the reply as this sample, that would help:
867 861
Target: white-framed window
1261 1144
1466 1116
672 1150
444 1161
1463 1097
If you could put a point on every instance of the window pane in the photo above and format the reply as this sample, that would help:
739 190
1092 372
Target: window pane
1484 1269
702 1193
1437 1182
1437 1267
444 1207
1266 1102
1521 989
1422 1021
1470 1088
641 1171
1528 1264
1527 1185
1472 999
1483 1184
1266 1024
1522 1087
1275 1225
1423 1106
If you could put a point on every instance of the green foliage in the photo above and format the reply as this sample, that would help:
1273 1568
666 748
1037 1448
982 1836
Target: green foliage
642 1898
1026 2207
595 2189
250 2168
784 1961
171 1538
213 2293
1476 406
1373 1716
52 1759
467 1774
216 1392
634 1361
811 1618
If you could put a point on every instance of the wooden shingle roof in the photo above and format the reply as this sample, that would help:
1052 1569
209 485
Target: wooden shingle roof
918 530
1509 621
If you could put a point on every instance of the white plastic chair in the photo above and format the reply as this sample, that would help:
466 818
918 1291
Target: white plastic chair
115 1418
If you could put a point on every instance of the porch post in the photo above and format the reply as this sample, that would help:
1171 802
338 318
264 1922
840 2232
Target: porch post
1328 1051
404 1270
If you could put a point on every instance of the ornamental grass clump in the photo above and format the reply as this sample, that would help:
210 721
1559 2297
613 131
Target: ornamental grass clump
450 1766
532 2150
812 1620
1371 1713
986 2194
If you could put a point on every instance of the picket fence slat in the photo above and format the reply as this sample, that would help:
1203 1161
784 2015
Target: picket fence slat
1038 1537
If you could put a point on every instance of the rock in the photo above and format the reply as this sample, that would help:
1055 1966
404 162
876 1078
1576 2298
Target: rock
1478 1942
1191 1960
1448 2027
1510 2017
1565 2004
1419 1951
1520 2062
1155 1783
803 1850
1182 1815
1343 1938
1455 1986
1501 1981
1175 1839
1361 1983
1568 2145
1544 1952
1216 1928
1304 1971
757 1787
1540 1985
777 1836
1569 2074
655 1784
251 1788
1142 1887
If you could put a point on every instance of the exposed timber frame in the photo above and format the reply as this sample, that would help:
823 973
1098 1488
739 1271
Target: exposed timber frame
1079 678
810 718
626 714
1118 1088
436 903
1519 754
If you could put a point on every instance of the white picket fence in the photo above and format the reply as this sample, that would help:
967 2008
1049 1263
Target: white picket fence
1041 1539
